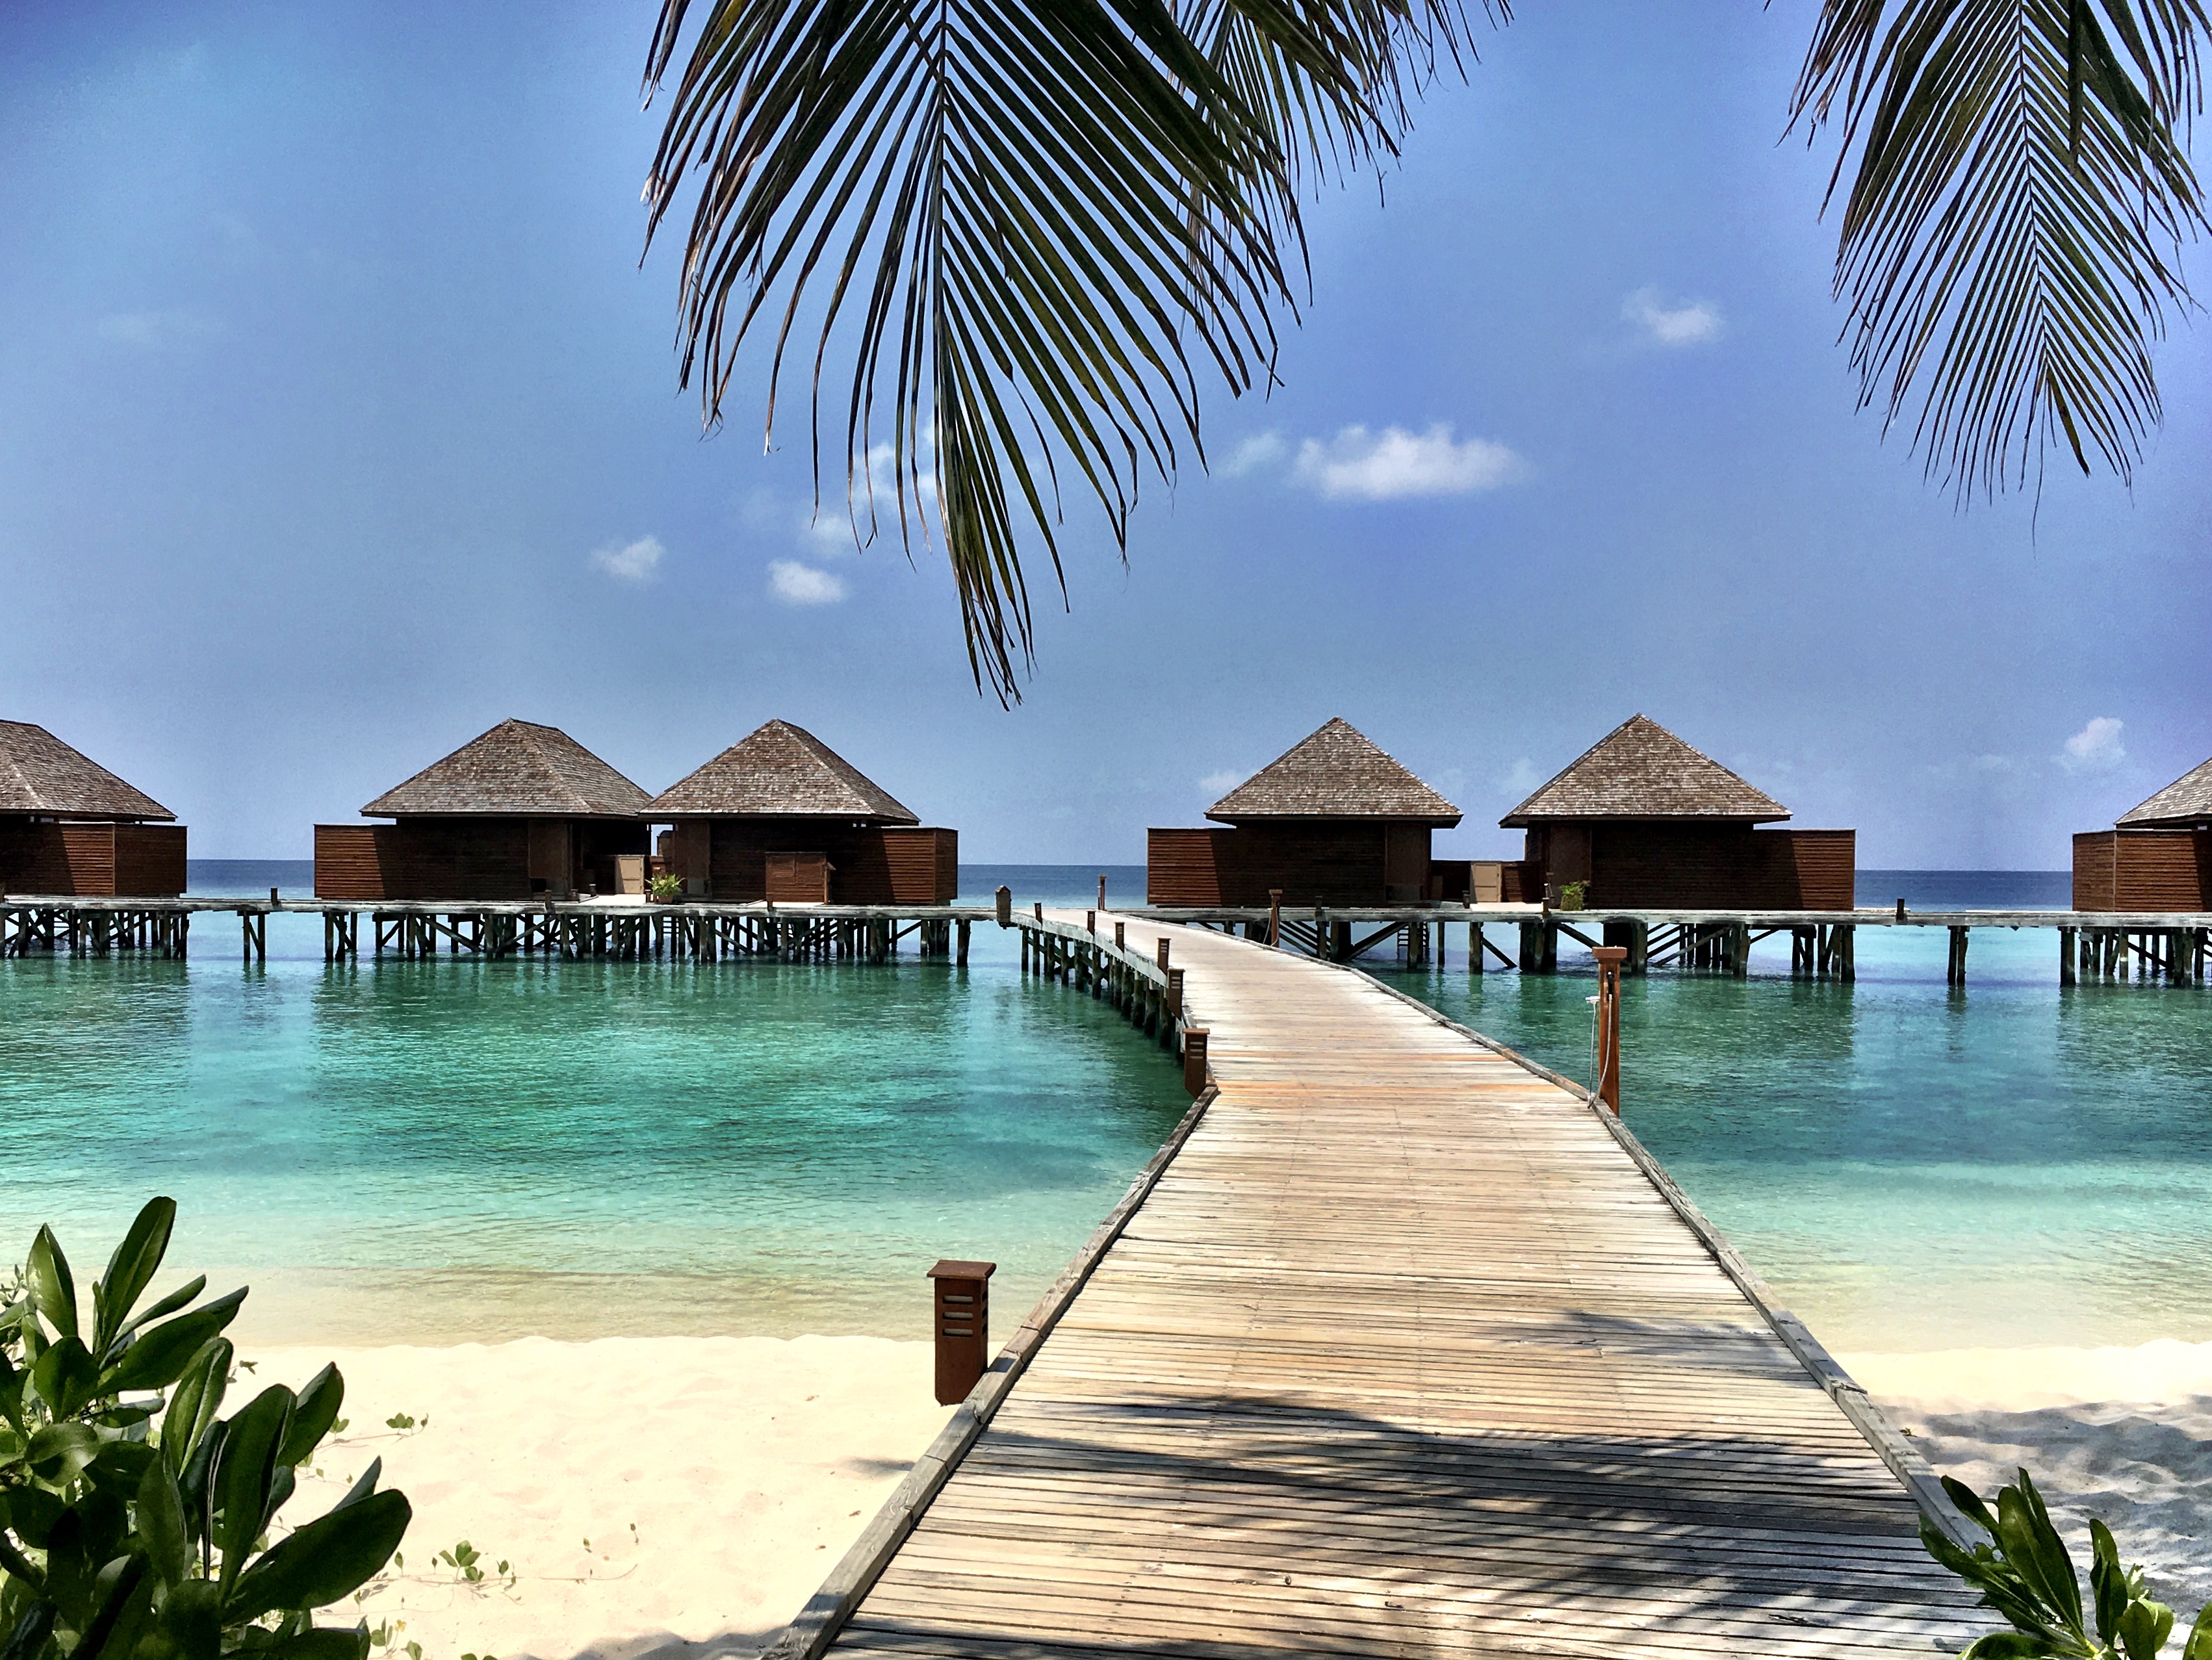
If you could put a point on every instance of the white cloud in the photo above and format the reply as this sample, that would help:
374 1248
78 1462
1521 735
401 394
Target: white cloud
1520 779
802 584
630 561
158 332
1358 465
1255 453
1691 323
2095 748
1220 784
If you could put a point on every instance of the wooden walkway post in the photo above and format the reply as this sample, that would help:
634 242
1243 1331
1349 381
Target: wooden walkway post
1274 918
960 1299
1609 960
1194 1058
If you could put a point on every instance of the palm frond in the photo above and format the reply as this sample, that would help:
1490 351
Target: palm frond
1034 228
2012 236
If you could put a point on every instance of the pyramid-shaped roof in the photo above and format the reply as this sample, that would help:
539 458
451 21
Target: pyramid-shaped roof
518 769
2187 800
781 771
1337 773
1640 770
40 774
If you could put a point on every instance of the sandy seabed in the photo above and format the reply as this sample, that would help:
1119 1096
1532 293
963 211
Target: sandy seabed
678 1497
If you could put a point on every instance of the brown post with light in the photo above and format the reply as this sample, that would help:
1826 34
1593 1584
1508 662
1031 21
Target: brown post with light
1609 960
1102 890
1194 1059
1005 903
961 1300
1275 916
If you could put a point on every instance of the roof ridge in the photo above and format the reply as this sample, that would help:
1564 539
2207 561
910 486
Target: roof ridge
1335 771
1641 769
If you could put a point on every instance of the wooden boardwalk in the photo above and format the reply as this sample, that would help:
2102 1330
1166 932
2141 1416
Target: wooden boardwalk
1404 1354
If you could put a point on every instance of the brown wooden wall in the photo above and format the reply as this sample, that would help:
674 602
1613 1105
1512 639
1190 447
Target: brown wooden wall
2143 871
489 858
871 865
1697 867
1329 862
97 860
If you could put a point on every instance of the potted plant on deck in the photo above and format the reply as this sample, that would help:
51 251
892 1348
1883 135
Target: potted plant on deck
667 888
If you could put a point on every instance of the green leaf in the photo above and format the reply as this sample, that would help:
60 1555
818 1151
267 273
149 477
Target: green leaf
2012 236
312 1418
53 1291
137 1257
31 1632
65 1377
11 1392
120 1466
243 1472
365 1485
169 1305
125 1609
59 1452
195 1401
32 1512
329 1558
189 1626
2032 1547
2108 1582
322 1643
158 1357
2199 1645
1026 231
161 1519
2144 1627
2009 1645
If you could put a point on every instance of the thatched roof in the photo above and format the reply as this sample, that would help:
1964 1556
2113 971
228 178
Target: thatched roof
1640 770
515 770
40 774
781 771
1337 773
2187 800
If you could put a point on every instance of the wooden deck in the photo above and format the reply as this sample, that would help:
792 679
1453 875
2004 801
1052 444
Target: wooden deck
1403 1352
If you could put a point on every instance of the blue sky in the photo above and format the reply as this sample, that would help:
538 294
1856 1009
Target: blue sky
341 422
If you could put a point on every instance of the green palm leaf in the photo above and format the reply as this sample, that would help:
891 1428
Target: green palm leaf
1034 227
2010 240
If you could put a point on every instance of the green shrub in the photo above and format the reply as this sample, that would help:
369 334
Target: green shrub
134 1522
1573 895
2027 1575
666 885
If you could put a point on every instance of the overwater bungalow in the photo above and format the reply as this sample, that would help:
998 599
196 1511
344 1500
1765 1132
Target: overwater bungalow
2158 857
524 811
1333 822
1643 821
69 826
782 816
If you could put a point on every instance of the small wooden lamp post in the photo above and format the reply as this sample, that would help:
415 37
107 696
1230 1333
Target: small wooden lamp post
1609 959
960 1303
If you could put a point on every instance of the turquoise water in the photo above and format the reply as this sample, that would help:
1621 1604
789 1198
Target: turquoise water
444 1150
1915 1167
435 1151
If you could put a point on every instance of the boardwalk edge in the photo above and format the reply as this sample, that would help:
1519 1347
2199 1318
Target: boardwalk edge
826 1612
1895 1450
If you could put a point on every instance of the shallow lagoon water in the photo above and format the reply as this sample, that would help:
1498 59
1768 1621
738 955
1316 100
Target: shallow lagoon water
1912 1167
438 1151
443 1150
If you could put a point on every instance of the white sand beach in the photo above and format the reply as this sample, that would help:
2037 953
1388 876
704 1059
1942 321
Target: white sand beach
715 1480
2124 1434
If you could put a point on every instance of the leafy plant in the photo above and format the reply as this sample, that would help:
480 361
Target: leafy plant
1573 895
137 1529
467 1561
666 885
2027 1575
